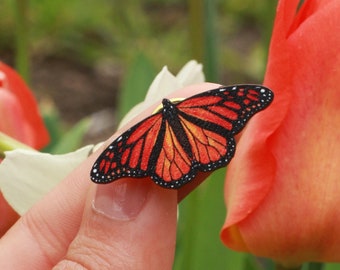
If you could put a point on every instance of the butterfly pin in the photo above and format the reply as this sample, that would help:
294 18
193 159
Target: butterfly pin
183 137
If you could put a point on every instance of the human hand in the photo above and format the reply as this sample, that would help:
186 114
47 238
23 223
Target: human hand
129 224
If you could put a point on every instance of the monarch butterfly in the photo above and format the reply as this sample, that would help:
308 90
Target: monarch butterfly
182 138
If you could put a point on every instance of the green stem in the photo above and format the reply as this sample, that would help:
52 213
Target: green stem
21 34
191 215
7 143
202 15
196 24
281 267
210 41
315 266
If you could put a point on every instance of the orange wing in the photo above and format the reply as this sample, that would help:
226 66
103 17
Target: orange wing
129 154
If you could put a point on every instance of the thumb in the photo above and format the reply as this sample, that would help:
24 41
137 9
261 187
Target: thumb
129 224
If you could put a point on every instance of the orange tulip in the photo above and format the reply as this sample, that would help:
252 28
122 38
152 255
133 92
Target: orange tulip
20 118
283 186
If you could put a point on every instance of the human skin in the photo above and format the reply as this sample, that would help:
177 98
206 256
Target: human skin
128 224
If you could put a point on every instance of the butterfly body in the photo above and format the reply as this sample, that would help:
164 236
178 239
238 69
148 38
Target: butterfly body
182 138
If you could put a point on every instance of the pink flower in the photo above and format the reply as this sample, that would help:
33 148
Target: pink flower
283 186
20 118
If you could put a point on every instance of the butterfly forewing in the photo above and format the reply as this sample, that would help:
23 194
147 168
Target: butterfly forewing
129 154
196 134
229 107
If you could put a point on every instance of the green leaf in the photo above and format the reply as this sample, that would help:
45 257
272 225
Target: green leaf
331 266
136 83
53 123
72 140
315 266
258 263
201 217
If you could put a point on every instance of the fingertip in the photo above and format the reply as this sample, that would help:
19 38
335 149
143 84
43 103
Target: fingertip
125 233
122 199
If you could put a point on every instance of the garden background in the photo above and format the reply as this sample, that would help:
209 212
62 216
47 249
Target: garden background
89 62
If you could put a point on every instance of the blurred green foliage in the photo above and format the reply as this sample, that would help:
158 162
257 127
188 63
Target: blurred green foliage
88 32
230 37
136 82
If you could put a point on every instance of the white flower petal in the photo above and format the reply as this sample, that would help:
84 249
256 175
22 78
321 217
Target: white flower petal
191 73
164 84
26 176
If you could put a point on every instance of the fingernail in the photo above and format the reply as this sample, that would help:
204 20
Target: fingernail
123 199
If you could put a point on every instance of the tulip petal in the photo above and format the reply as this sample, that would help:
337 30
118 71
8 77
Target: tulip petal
35 133
282 186
248 181
13 121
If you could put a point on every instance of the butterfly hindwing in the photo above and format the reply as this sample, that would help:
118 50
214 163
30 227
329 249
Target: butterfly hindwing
172 163
172 145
